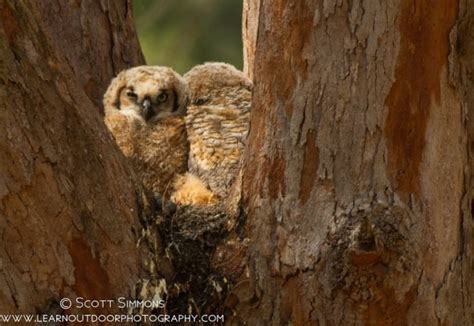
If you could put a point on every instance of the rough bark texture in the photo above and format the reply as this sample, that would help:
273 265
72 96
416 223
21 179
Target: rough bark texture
357 181
97 39
68 202
251 9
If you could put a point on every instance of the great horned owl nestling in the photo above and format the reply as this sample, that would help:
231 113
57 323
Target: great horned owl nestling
217 123
144 110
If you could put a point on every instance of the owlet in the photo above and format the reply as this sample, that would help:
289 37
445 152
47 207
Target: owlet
144 109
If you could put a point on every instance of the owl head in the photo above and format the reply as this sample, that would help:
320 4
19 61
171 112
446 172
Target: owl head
149 93
205 80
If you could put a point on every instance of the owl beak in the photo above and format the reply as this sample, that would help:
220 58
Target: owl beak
147 111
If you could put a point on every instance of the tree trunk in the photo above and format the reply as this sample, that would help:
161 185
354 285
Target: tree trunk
97 39
250 12
69 206
357 181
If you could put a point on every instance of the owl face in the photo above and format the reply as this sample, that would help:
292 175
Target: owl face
148 93
149 101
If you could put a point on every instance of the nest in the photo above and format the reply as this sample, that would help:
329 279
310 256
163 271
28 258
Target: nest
182 241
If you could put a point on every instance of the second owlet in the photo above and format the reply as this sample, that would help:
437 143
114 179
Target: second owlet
217 123
144 110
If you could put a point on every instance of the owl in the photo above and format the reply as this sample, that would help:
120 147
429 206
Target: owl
217 123
144 110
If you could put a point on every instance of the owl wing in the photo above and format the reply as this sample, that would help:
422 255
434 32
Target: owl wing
217 135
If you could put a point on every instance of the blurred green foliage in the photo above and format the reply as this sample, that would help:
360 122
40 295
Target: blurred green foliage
183 33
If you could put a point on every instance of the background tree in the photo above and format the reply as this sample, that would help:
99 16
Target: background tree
68 203
184 33
357 179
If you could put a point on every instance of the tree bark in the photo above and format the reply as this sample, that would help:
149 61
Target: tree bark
69 205
250 12
356 181
97 39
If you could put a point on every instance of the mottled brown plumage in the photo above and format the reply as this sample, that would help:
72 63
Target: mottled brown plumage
144 110
217 123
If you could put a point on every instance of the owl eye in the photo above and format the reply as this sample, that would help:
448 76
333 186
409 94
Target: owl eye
132 95
162 97
200 101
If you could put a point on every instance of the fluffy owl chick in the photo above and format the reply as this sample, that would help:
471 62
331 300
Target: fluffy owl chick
190 190
144 110
217 123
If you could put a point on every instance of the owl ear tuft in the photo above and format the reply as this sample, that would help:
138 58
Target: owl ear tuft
111 99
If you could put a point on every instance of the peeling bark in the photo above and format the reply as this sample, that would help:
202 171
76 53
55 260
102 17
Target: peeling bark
356 181
251 9
69 204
